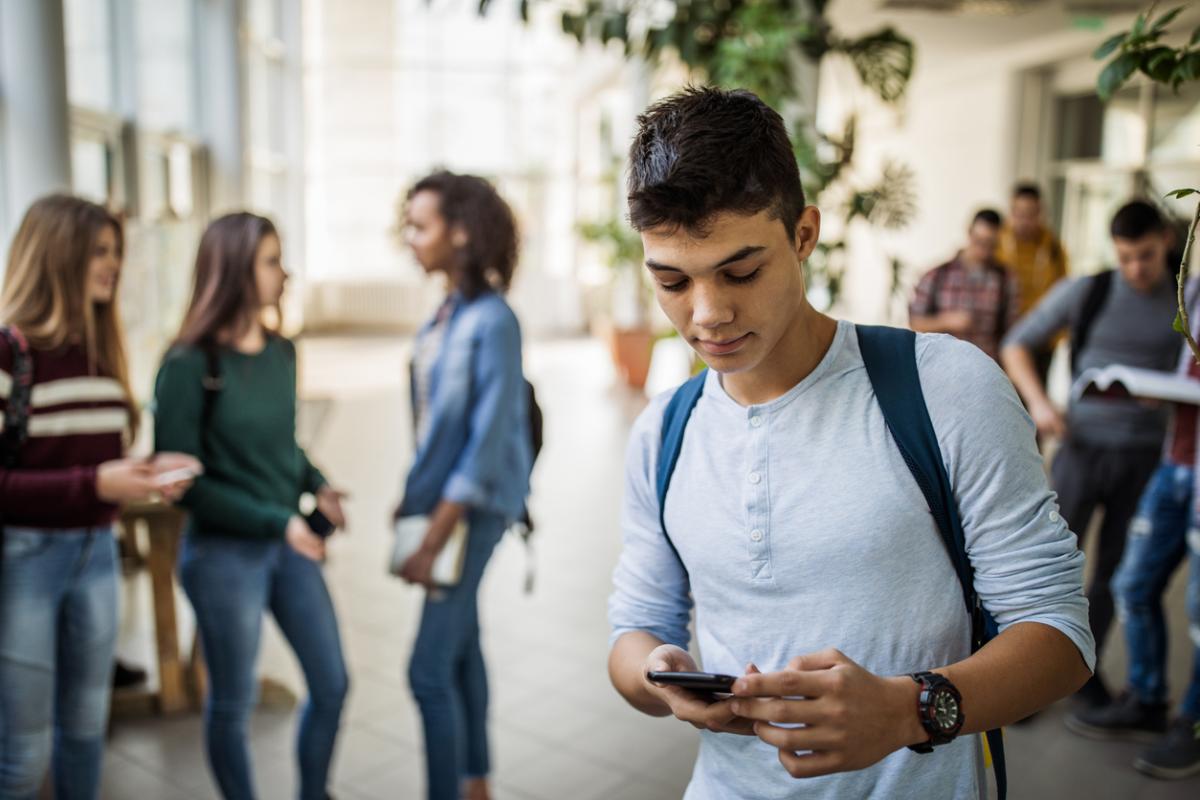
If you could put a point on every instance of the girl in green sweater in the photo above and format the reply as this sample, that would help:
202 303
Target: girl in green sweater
226 392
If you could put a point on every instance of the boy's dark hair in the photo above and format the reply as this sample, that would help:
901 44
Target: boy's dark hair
1030 190
704 151
987 216
1135 220
488 260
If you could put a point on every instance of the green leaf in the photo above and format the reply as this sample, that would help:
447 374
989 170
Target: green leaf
1139 25
1115 74
1195 37
1187 69
1110 44
1166 19
1159 64
1179 194
1178 323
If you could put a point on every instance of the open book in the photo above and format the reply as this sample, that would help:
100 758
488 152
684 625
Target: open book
1117 380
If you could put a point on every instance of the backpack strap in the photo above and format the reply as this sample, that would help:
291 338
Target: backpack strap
674 424
891 360
16 412
213 383
1099 287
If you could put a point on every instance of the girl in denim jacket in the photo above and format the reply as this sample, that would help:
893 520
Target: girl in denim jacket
473 458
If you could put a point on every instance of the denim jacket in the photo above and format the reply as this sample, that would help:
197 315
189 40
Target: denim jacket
477 448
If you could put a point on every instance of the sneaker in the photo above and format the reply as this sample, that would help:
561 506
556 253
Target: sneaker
1176 756
1125 718
1094 694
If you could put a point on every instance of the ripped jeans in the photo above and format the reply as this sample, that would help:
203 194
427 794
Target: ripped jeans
1163 532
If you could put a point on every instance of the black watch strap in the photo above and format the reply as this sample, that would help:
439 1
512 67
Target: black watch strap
934 687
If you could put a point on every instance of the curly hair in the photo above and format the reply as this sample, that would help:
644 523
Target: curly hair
488 259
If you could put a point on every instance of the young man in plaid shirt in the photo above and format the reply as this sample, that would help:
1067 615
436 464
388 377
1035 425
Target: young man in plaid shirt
972 296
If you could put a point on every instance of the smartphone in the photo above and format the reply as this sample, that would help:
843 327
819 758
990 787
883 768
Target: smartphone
174 476
319 523
696 681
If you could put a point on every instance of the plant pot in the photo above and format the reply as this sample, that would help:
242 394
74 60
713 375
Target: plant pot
631 348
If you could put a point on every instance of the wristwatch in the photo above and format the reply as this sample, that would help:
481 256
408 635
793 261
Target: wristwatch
939 707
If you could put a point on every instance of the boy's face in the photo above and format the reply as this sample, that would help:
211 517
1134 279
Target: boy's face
733 293
1143 261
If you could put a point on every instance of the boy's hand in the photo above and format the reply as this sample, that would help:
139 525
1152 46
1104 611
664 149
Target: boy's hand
851 718
700 709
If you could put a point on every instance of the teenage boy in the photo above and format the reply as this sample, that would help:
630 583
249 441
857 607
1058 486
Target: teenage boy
792 521
972 296
1110 447
1164 533
1033 255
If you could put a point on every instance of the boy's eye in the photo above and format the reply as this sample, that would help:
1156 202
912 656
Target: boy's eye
678 286
747 278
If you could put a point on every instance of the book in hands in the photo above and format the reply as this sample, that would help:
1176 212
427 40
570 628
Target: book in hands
1119 381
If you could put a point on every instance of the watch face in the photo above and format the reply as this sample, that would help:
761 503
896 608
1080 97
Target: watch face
945 710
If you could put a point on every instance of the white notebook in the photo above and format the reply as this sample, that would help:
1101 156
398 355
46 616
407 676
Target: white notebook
410 534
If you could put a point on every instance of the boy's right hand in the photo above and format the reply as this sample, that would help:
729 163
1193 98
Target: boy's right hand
701 710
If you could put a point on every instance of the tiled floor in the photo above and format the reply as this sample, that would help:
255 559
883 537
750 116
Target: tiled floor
558 730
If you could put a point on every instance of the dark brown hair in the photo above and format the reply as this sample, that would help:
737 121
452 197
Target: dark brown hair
705 151
488 259
224 293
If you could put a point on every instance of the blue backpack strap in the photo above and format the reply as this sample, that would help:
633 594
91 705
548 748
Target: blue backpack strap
891 359
674 423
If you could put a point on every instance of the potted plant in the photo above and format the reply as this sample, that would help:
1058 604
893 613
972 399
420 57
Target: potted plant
627 329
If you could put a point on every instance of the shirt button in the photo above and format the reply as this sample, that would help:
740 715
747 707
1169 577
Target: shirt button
756 535
755 422
1054 516
755 477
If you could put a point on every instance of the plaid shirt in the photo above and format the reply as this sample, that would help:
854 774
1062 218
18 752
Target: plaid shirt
986 293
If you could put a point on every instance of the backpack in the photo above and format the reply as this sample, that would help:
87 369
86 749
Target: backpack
16 413
890 358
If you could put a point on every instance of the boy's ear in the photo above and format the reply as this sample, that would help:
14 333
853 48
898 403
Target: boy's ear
459 237
807 232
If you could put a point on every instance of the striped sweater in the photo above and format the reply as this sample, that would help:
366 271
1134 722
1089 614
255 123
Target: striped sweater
77 421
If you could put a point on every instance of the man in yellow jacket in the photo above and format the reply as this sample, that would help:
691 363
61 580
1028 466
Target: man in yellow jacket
1033 255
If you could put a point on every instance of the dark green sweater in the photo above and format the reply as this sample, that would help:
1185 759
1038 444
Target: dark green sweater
254 472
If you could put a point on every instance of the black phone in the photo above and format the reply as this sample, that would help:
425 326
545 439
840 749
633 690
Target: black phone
696 681
319 524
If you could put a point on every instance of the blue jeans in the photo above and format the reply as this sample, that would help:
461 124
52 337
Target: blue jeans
230 583
1159 537
447 673
58 631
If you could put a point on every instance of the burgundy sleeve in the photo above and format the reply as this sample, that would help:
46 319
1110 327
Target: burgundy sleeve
37 494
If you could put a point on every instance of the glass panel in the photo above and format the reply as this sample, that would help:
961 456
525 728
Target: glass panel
1114 133
1176 128
179 180
166 76
1090 198
88 28
91 169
